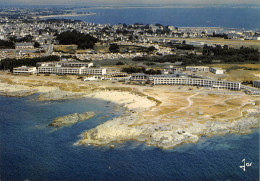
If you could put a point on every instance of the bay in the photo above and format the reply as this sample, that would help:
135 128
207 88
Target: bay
239 18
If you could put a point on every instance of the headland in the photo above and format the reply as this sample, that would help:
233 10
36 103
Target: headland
163 116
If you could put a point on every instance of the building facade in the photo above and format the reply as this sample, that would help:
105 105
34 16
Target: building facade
73 68
139 77
196 82
171 69
24 45
197 68
66 64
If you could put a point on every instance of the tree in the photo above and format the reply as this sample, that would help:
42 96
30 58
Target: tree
120 63
36 44
11 63
83 41
12 38
4 44
149 32
131 38
114 48
225 47
151 48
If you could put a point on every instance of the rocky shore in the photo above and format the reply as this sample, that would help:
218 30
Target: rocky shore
162 116
59 95
165 135
71 119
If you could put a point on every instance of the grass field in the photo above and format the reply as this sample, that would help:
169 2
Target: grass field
215 40
65 48
239 72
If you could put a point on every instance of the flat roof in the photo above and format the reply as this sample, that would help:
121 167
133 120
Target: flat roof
24 44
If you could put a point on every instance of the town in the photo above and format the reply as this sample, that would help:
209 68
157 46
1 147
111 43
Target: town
87 49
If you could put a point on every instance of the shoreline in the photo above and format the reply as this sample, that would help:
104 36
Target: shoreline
175 121
64 15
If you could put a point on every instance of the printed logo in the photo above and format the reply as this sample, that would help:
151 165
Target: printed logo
245 165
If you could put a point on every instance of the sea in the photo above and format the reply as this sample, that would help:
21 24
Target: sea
30 150
238 18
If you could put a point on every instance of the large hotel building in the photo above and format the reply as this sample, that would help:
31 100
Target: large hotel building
74 68
196 82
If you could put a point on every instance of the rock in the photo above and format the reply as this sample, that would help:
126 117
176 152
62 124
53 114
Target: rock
200 113
164 136
86 115
71 119
19 93
112 146
58 95
65 120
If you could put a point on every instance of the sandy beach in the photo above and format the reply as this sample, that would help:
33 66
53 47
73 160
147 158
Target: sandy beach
162 116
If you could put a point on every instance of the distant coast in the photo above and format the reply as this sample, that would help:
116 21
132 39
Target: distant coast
65 15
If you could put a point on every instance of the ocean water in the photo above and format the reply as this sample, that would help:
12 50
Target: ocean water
29 149
247 18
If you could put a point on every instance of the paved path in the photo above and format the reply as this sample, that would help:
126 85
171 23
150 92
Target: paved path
50 49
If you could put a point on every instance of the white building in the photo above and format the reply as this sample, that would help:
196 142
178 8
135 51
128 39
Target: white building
24 46
94 71
196 82
91 78
152 77
66 64
256 37
172 28
215 70
256 83
197 68
71 70
171 69
24 70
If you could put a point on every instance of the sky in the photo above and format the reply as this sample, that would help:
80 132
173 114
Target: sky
122 2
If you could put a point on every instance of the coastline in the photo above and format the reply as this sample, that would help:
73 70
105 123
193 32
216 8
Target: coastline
182 116
65 15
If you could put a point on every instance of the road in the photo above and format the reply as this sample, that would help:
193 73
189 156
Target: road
50 49
251 89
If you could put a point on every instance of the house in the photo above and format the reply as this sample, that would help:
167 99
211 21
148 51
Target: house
215 70
256 37
256 83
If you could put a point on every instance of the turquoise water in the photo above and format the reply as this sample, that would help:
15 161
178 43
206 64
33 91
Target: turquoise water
29 149
247 18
